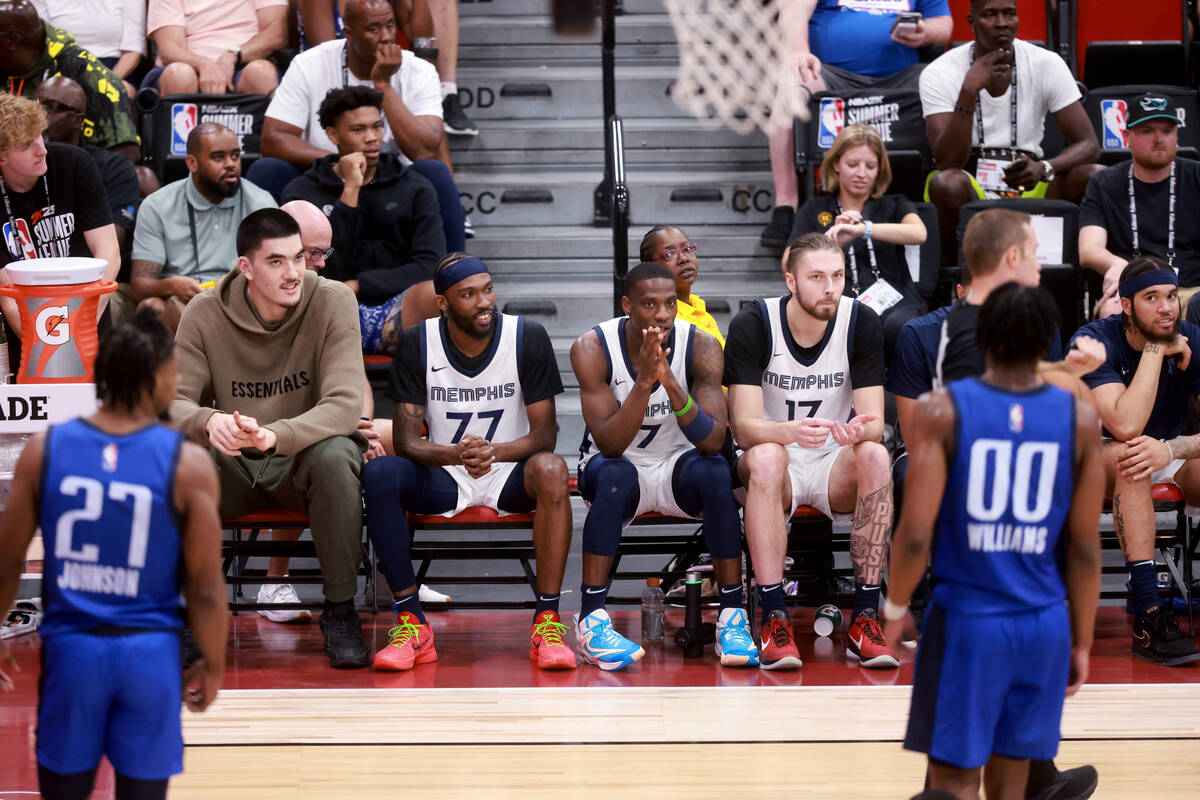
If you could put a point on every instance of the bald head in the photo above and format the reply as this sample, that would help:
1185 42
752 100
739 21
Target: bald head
65 105
22 37
316 234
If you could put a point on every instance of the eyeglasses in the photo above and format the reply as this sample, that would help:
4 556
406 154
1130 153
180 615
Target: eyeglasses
55 107
320 255
670 253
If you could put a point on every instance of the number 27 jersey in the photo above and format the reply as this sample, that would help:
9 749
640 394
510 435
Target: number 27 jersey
1007 497
111 531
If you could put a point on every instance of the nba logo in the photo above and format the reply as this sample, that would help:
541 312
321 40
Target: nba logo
109 458
831 120
1112 116
1016 418
183 119
19 242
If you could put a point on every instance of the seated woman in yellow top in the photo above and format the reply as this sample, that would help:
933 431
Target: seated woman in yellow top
670 247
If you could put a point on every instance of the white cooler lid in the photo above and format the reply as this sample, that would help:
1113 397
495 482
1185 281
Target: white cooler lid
56 271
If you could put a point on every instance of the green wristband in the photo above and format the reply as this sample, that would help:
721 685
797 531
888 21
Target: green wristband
686 408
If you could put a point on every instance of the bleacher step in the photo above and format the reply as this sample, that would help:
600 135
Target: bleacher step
641 38
540 8
515 92
542 248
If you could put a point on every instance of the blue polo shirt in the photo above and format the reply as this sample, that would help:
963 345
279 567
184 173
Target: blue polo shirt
856 35
1169 417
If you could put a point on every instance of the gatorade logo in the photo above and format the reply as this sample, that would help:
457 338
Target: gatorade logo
51 325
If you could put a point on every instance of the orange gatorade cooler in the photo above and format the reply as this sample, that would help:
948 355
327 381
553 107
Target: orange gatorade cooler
58 299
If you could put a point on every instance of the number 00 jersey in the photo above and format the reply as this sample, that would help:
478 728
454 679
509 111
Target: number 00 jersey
795 387
111 531
660 435
486 402
1008 494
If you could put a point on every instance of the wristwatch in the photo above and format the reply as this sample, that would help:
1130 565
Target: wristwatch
1049 171
869 227
237 55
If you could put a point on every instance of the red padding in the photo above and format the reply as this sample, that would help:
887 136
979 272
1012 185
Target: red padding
264 518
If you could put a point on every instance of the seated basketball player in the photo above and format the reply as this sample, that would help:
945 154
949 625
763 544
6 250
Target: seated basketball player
805 376
650 390
482 384
1011 475
1143 392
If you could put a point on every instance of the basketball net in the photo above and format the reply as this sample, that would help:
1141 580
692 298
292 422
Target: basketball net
736 66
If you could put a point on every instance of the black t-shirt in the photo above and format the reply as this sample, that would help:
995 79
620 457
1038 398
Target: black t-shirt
539 369
817 216
121 186
1106 204
748 348
54 226
963 358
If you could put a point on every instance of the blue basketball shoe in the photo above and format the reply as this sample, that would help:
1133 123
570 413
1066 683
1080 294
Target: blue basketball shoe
735 644
599 644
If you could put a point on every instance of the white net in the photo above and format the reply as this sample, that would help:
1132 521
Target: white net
736 66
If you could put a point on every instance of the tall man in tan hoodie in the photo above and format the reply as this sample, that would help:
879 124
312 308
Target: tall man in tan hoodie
271 378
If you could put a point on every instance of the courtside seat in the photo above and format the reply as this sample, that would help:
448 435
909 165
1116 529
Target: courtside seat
1174 546
243 544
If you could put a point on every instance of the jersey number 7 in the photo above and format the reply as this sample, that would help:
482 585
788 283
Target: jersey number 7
464 419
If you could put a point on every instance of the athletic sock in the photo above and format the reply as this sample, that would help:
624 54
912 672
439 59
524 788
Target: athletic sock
449 88
593 599
545 602
1143 585
730 596
866 596
409 604
771 599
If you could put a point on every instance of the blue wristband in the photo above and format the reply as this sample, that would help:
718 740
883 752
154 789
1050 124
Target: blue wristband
699 428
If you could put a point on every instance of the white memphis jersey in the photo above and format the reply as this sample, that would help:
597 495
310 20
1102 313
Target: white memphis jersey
487 403
794 388
660 435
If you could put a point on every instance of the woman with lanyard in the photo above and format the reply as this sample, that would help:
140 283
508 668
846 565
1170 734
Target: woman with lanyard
872 226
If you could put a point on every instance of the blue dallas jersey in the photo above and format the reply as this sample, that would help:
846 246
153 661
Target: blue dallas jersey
1006 502
110 528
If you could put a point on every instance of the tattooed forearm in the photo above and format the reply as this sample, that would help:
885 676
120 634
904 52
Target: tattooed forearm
870 535
146 269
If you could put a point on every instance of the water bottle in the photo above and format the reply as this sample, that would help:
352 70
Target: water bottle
652 611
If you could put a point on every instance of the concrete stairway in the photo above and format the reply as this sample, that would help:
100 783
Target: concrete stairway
529 178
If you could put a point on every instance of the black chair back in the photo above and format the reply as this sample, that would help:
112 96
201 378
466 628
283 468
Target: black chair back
166 122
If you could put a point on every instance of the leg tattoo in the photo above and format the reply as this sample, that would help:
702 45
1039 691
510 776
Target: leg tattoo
870 535
1119 524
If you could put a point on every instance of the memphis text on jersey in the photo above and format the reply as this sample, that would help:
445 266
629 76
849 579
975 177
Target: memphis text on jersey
471 394
788 383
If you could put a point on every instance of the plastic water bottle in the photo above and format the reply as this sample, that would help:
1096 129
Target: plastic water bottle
652 611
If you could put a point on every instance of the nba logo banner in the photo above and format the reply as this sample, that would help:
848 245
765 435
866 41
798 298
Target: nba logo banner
831 119
183 119
19 242
1112 117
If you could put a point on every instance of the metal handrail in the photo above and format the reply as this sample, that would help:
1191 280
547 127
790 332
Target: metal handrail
620 211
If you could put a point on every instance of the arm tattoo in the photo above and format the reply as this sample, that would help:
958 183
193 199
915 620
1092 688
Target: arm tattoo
870 535
146 269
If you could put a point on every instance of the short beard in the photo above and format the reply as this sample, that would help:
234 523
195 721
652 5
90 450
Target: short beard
815 312
1149 333
467 325
222 188
1155 161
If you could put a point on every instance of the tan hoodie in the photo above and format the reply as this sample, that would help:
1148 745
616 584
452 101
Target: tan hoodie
303 379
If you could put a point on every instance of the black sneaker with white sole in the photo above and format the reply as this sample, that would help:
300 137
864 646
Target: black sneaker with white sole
454 120
1069 784
1158 639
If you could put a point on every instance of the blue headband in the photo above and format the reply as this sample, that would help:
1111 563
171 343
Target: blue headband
443 279
1130 287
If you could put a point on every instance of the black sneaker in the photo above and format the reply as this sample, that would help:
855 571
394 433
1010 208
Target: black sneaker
1157 638
343 639
778 230
1072 784
454 119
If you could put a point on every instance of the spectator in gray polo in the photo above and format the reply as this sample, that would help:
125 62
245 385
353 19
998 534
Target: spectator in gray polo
185 238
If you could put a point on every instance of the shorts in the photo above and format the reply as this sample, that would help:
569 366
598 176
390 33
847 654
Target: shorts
1167 473
372 319
989 683
155 75
484 491
808 471
117 696
1036 193
656 485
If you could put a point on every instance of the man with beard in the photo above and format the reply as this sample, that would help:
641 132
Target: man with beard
1142 393
1130 209
473 425
805 375
185 232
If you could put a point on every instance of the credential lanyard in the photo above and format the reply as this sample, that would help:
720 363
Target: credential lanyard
1012 114
192 230
12 220
1133 223
854 259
